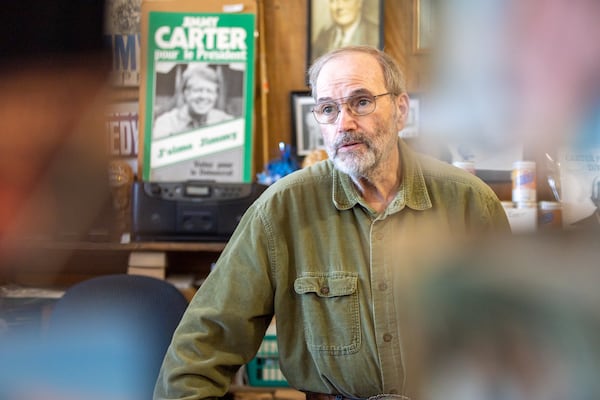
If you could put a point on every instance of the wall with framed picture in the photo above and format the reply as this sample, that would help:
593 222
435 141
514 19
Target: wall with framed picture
306 134
411 127
335 24
284 50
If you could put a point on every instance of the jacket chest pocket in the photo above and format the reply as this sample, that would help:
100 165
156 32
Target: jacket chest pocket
330 309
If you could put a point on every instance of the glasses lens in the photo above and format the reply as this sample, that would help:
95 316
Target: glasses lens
326 113
362 105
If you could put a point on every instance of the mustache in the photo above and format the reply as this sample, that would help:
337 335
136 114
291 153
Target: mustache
349 138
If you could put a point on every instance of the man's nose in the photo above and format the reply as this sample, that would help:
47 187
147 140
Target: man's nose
346 120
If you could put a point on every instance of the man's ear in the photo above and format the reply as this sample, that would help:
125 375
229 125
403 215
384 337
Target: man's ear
402 107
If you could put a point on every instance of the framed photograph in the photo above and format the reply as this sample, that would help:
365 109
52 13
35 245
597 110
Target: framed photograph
411 128
306 134
423 25
335 24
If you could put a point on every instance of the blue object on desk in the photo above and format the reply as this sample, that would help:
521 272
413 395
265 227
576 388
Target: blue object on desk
280 167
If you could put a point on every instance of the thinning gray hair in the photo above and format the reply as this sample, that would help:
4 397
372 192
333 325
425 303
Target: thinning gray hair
392 75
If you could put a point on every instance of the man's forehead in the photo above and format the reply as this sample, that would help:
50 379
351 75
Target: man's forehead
349 73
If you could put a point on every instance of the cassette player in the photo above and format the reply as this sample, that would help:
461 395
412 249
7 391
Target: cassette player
190 210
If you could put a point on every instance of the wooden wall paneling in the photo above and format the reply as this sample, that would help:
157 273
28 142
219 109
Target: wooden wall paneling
285 34
398 42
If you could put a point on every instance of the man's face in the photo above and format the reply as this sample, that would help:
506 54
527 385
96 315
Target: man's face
200 95
345 12
358 145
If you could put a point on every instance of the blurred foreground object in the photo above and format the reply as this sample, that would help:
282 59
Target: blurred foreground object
53 169
52 95
106 339
514 73
513 319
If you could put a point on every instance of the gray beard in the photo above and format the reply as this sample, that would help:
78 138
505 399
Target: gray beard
356 166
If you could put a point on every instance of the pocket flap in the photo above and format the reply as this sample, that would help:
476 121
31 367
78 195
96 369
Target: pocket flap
327 285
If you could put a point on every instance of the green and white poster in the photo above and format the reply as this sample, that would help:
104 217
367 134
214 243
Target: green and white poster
198 106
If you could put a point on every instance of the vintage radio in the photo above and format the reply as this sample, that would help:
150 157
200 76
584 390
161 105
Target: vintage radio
190 210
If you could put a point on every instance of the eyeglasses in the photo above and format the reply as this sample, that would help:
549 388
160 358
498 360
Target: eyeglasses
361 104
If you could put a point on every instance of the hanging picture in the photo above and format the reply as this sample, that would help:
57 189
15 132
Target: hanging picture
197 93
338 23
305 128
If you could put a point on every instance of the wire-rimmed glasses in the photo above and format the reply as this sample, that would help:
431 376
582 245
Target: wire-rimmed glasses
361 104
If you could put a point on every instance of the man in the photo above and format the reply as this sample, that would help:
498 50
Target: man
319 249
200 93
349 27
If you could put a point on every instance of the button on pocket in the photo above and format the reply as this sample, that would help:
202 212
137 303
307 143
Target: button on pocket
329 303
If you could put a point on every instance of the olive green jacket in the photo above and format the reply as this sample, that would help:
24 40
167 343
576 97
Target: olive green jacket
310 252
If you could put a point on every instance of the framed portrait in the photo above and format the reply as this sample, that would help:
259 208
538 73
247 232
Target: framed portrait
337 23
423 25
306 134
411 128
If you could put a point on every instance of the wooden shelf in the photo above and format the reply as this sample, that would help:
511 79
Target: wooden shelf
114 246
45 262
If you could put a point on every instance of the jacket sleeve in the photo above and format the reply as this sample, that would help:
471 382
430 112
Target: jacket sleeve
225 321
497 216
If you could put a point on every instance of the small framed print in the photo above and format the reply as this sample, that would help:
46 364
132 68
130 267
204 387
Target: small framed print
411 127
423 25
306 133
339 23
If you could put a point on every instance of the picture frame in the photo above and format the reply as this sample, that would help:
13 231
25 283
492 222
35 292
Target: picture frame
306 134
323 19
411 127
423 25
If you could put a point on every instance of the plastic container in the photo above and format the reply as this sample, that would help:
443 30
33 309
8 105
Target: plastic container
524 182
549 215
263 370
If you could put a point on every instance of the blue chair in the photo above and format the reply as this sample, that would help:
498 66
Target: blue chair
109 334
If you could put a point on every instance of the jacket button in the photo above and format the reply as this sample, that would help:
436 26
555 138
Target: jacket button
325 290
387 337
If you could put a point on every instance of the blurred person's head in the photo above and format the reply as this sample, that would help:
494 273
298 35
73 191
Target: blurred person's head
53 75
514 72
200 89
344 13
554 61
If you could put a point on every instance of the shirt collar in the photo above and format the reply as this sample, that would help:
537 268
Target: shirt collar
412 192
